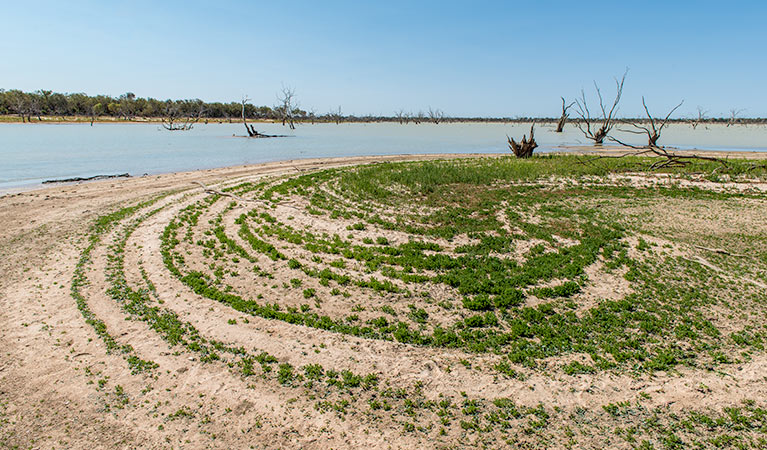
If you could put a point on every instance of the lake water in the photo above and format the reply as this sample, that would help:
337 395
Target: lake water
31 153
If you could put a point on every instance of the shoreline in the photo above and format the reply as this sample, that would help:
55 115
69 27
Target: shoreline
13 118
227 171
583 150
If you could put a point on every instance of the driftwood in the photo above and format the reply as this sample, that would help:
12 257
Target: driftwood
718 250
209 190
93 178
523 149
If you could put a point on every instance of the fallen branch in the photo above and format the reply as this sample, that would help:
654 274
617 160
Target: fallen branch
93 178
670 158
718 250
208 190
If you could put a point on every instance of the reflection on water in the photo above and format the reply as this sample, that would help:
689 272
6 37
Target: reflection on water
31 153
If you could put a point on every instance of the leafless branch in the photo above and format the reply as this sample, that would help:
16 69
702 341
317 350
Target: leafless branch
436 115
654 130
287 106
563 118
607 121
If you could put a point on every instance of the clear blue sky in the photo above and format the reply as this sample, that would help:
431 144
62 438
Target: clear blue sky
467 58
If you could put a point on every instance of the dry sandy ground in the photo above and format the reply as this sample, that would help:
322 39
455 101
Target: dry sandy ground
52 362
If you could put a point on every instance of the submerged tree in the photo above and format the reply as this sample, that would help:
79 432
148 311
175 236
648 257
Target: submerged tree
597 128
436 115
178 118
401 116
249 128
524 148
655 128
287 106
666 158
734 113
564 116
335 115
701 117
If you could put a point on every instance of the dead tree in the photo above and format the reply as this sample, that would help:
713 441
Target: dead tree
435 115
564 116
734 116
655 128
596 128
701 118
523 149
175 119
249 128
287 106
336 115
400 115
666 158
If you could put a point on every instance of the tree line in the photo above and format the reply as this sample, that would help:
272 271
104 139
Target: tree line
128 106
35 105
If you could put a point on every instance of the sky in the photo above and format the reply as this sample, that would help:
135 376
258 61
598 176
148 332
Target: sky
468 58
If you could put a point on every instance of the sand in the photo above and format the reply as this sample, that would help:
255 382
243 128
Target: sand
51 361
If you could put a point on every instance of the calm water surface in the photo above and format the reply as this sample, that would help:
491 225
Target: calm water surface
31 153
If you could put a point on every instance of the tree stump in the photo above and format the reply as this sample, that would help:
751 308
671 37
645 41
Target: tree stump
524 148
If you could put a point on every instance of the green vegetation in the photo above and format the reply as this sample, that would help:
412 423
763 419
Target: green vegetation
572 231
498 260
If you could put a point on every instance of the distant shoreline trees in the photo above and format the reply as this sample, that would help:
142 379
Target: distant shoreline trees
33 106
29 105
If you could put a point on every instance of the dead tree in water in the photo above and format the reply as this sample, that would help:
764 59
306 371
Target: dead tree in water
523 149
596 128
286 108
174 119
249 128
336 115
666 158
436 115
654 130
701 118
564 116
734 116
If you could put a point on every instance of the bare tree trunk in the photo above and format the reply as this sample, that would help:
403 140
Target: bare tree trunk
287 106
523 149
563 118
250 129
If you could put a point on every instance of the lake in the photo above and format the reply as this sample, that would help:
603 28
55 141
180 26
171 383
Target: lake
31 153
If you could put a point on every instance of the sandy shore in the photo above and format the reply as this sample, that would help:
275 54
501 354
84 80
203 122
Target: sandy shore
44 341
52 364
227 172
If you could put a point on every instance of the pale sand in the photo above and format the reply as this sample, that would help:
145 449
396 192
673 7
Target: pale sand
45 346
